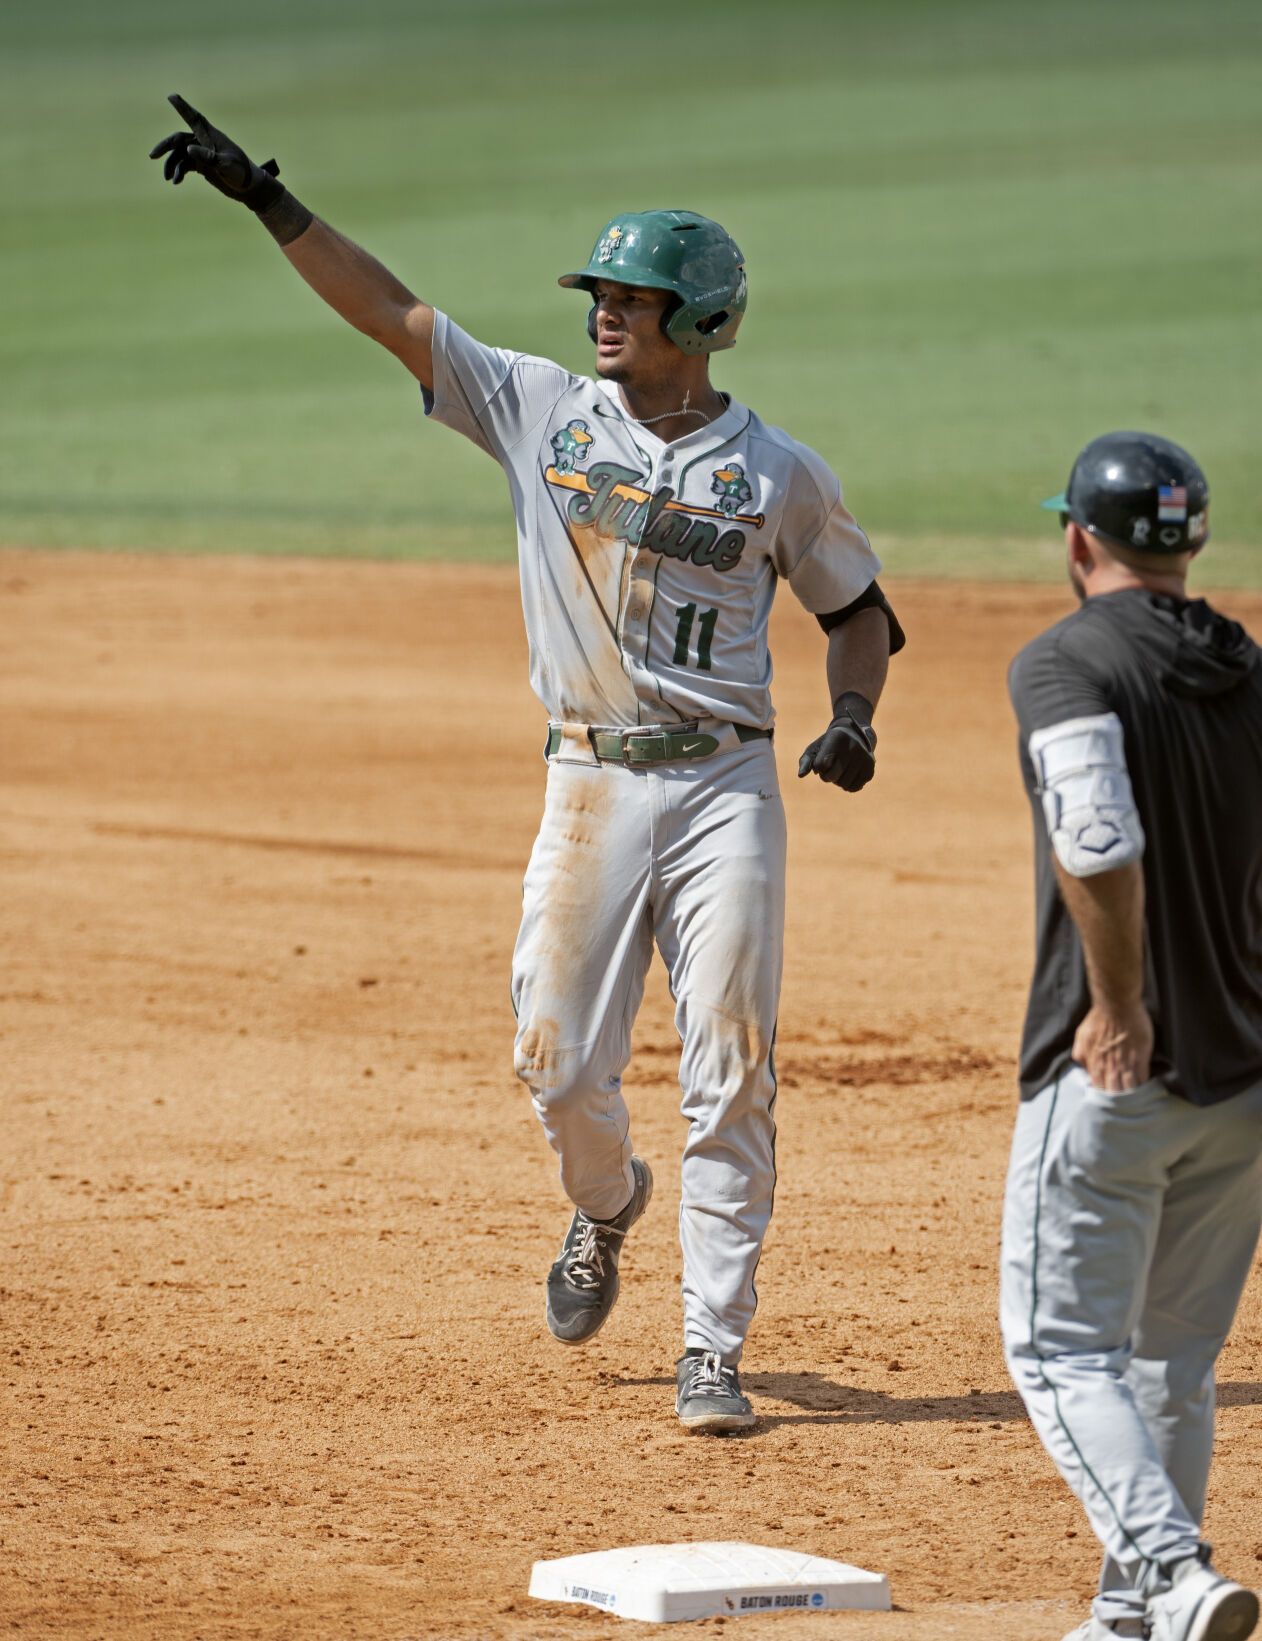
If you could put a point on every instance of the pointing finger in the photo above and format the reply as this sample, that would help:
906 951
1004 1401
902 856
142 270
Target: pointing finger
186 111
804 762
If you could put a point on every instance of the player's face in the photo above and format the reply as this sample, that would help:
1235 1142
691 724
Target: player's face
630 343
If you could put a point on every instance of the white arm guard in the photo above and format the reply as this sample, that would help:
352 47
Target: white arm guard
1090 810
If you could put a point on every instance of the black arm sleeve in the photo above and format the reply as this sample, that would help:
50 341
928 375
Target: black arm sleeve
871 598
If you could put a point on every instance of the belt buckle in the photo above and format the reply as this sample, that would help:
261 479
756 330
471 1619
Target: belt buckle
656 738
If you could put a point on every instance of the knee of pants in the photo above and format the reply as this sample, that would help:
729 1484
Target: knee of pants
726 1064
1048 1321
1176 1380
559 1077
1035 1370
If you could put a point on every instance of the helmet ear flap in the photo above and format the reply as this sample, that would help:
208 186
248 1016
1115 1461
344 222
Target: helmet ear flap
668 312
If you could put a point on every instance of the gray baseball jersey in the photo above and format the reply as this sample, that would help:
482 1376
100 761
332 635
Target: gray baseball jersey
648 569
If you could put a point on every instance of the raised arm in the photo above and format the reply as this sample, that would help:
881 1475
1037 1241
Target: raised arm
353 283
367 295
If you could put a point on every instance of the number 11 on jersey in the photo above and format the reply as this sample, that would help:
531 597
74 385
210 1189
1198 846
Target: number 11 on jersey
705 636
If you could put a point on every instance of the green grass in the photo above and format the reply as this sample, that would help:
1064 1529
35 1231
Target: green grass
978 233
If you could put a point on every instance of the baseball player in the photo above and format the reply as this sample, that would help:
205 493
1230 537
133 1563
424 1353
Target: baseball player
1134 1194
655 517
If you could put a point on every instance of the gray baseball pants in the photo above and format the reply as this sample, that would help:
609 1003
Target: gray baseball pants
691 857
1130 1222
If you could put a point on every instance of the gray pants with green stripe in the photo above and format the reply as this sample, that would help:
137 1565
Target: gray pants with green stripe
1130 1222
689 857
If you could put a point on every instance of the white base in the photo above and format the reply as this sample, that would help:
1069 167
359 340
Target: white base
667 1583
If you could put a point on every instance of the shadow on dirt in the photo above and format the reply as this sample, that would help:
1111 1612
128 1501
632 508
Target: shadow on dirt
1240 1395
823 1401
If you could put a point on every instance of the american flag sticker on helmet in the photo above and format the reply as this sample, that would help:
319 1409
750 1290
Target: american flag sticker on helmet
1172 503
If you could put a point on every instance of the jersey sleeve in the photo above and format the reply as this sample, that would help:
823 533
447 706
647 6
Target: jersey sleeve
1050 682
1073 752
491 395
820 550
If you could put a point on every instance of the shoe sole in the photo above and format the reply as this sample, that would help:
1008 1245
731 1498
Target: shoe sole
584 1338
714 1423
1231 1619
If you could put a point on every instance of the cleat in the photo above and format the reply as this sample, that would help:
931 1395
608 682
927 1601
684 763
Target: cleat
709 1395
1201 1605
583 1283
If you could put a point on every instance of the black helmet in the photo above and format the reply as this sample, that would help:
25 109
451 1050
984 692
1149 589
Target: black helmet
1139 491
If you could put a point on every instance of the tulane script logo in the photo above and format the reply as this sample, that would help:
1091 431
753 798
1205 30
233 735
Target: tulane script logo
611 499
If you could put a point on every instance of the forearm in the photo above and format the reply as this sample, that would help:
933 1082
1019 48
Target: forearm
1114 1039
1108 912
858 658
366 294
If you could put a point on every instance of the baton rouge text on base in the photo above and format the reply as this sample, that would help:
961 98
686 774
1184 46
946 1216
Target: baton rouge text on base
579 1592
798 1598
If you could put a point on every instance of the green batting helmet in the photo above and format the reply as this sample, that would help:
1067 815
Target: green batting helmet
680 252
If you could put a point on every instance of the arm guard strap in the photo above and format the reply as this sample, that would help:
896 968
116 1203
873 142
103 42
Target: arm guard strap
871 598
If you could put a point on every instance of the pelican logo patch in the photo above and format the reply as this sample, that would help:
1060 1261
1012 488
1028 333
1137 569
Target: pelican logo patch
571 444
609 245
731 486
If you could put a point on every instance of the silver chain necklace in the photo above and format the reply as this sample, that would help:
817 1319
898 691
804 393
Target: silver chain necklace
647 421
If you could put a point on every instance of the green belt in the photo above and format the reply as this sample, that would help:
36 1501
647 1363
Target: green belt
653 745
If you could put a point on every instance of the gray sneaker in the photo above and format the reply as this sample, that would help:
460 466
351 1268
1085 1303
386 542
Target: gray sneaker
709 1395
583 1284
1202 1605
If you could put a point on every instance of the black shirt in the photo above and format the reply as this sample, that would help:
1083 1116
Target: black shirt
1187 685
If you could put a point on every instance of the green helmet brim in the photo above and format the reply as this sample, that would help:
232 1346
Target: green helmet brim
1055 504
619 275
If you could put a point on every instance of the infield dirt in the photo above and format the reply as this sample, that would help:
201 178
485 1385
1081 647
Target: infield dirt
276 1215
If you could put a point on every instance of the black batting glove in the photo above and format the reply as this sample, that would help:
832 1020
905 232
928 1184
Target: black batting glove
206 150
845 754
